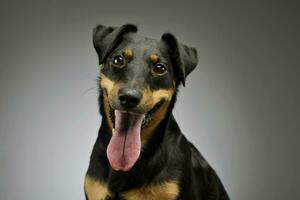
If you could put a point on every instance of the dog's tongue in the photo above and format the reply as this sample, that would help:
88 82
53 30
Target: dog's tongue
125 145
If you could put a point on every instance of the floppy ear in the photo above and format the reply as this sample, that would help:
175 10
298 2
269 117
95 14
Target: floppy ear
106 38
185 58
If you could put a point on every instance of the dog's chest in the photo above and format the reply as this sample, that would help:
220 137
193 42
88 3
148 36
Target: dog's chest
168 190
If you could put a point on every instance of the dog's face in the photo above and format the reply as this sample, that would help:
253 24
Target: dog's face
138 79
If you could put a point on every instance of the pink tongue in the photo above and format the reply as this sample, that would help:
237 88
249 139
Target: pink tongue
125 145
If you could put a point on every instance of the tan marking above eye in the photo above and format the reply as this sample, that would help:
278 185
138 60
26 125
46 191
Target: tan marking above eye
162 191
95 190
154 58
128 53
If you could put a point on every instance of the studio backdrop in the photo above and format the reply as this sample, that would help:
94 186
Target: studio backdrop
242 100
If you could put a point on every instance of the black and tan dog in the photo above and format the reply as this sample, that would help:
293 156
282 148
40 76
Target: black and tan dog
140 152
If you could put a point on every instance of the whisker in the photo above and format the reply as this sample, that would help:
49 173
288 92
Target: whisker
89 89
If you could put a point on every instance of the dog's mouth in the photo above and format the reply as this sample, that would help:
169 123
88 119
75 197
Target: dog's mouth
125 145
148 116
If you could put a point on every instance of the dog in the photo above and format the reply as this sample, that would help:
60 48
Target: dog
140 152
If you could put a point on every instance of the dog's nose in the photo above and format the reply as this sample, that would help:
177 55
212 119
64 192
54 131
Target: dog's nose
129 98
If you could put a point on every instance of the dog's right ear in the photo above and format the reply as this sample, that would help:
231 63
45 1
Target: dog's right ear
106 38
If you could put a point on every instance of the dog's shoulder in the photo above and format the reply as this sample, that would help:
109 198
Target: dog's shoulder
206 176
197 159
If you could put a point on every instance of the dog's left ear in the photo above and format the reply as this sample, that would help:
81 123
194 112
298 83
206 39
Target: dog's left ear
185 58
106 38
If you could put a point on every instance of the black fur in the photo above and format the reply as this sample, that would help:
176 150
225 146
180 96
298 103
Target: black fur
168 155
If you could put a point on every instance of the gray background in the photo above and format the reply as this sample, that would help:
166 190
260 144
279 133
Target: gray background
240 106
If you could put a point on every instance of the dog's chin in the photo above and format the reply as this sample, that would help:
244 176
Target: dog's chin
148 115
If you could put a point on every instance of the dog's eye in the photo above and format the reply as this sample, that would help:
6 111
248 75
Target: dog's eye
118 61
159 69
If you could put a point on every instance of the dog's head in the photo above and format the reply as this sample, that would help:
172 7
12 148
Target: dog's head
138 80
